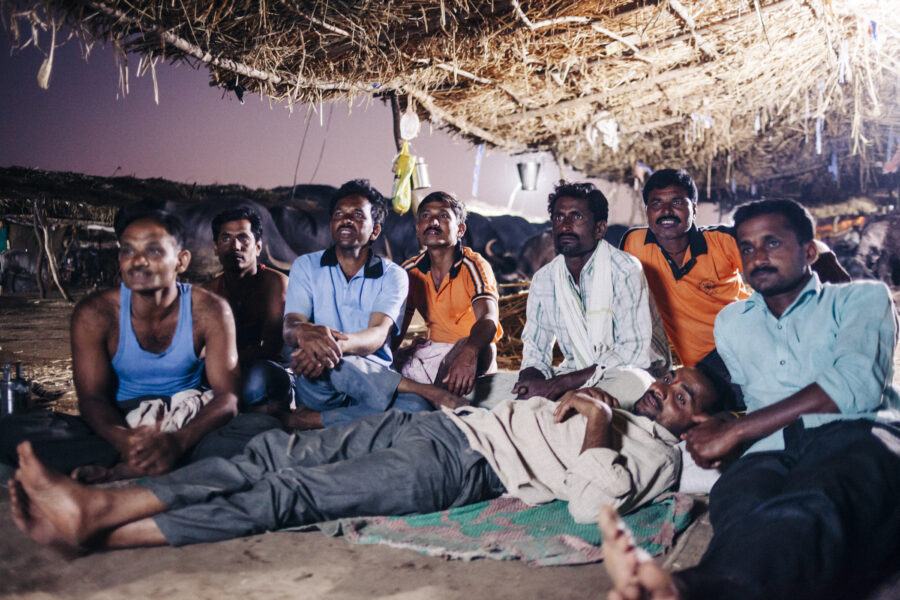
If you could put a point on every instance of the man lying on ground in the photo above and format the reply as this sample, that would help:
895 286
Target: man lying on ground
454 289
145 338
343 304
579 449
810 510
256 297
693 272
592 300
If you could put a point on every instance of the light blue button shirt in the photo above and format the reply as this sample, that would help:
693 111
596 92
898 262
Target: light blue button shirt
318 290
841 337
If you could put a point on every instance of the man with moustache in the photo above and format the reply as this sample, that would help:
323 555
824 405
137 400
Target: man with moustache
581 449
342 306
592 300
454 289
693 272
810 510
256 297
144 338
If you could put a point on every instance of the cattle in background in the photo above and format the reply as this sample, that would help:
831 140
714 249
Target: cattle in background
17 269
878 253
302 218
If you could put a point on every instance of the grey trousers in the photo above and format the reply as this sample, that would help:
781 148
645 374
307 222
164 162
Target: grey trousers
394 463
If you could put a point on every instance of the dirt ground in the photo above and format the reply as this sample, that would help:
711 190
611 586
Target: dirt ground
270 566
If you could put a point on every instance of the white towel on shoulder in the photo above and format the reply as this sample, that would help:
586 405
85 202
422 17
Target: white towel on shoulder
590 328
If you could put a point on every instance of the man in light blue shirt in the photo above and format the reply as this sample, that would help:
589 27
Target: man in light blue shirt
810 510
342 306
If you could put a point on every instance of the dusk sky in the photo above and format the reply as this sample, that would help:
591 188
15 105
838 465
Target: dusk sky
82 124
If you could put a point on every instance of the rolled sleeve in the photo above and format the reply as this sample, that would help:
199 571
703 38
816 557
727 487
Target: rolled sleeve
391 300
597 478
299 297
863 350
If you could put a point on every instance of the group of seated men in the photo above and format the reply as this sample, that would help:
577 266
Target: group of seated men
340 425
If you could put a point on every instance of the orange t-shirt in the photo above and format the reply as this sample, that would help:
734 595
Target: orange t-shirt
690 296
448 310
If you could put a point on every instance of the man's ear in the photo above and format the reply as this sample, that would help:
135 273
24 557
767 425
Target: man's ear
461 231
600 230
184 259
811 252
376 231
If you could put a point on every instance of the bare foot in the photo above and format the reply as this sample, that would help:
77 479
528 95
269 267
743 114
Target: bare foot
634 574
54 497
301 418
440 397
35 525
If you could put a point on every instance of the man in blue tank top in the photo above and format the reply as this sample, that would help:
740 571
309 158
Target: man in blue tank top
153 336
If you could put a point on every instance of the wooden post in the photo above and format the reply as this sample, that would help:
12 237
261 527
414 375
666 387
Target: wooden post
39 263
45 247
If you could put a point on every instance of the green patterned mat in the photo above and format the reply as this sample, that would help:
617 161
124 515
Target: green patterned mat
508 529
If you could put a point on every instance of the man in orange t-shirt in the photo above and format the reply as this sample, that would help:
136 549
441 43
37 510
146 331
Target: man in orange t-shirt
693 272
454 289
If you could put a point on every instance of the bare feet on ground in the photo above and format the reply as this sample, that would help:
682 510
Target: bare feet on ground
634 574
35 525
48 506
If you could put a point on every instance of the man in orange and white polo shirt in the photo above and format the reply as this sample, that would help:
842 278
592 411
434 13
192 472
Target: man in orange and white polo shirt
454 289
693 272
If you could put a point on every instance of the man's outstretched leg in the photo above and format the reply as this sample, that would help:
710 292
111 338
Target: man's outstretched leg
57 511
634 574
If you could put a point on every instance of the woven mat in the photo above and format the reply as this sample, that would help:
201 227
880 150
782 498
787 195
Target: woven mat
507 529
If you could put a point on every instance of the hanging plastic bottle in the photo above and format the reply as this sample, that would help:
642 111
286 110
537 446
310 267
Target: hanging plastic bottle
404 164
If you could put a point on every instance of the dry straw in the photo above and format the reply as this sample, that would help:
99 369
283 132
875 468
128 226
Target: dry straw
728 88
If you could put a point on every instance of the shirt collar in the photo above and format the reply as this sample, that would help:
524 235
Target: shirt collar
372 270
424 265
696 242
813 287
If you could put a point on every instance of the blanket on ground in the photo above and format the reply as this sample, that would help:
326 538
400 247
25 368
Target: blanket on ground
508 529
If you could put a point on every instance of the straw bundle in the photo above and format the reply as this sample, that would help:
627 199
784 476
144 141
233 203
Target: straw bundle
731 89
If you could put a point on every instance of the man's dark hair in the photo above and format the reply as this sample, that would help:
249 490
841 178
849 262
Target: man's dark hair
798 218
597 202
459 209
149 210
241 213
361 187
666 177
726 398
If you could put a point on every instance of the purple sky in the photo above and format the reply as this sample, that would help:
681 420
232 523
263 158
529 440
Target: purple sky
194 134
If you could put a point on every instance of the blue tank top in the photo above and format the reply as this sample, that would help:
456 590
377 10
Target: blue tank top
143 373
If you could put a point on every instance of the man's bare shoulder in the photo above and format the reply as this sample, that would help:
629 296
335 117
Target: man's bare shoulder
98 309
208 305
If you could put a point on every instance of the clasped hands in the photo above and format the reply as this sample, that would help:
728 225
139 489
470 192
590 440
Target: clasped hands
319 348
151 452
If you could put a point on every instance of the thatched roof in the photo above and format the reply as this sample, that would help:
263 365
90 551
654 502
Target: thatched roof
728 88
